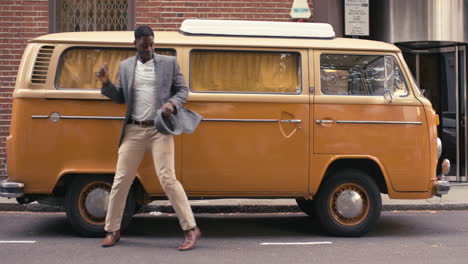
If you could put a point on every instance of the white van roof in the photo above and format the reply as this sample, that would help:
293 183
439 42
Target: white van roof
257 29
229 33
166 38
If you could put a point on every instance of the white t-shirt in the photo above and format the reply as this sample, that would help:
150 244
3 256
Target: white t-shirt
145 91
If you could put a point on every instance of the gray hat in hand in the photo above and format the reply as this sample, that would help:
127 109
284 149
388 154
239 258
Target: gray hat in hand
182 120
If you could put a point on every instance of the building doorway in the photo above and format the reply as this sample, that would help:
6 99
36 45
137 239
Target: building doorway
440 71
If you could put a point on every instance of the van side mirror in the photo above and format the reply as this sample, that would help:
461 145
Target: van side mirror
388 94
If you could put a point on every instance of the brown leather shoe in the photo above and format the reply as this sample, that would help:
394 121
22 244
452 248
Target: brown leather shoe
191 237
111 239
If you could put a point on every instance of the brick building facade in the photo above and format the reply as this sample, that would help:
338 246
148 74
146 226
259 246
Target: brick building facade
21 20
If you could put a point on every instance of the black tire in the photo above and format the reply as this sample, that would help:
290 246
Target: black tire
306 206
350 221
84 220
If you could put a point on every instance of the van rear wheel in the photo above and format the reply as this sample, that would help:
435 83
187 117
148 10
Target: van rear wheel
86 204
348 203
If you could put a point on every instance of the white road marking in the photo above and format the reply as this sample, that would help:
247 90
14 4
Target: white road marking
296 243
17 241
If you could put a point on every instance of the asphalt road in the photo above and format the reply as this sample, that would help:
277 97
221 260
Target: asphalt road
400 237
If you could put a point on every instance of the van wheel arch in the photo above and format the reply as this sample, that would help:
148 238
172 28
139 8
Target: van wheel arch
65 181
367 166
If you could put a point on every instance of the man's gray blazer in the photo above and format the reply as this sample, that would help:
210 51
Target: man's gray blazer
170 85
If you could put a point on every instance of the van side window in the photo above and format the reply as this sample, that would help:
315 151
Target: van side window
245 71
77 67
370 75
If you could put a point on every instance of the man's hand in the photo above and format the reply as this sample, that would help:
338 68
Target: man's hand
167 109
103 74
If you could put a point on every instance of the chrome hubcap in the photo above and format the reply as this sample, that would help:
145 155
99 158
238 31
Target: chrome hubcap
349 204
96 203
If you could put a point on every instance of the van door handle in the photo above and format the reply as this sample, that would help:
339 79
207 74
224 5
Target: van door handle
291 121
324 121
297 126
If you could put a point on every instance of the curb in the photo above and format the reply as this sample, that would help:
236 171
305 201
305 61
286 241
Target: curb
221 209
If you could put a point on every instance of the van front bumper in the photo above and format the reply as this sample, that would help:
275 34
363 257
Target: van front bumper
441 187
11 189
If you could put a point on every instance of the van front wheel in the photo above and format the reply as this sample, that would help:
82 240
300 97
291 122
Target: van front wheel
86 204
348 203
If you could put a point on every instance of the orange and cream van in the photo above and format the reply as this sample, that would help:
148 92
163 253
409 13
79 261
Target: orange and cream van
290 112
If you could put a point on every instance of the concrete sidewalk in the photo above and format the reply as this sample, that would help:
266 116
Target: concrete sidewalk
456 199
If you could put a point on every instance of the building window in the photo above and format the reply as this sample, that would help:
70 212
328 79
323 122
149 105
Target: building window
92 15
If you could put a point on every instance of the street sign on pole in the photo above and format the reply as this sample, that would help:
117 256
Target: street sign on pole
356 17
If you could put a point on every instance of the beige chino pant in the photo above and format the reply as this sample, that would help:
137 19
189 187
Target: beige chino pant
136 142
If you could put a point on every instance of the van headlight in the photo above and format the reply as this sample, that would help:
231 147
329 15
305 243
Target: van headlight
439 147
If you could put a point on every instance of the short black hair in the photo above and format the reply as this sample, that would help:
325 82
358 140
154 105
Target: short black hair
143 31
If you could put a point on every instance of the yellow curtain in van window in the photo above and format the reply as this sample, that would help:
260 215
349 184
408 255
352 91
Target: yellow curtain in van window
79 65
227 71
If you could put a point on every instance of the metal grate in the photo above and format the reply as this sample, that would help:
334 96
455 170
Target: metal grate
41 66
92 15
